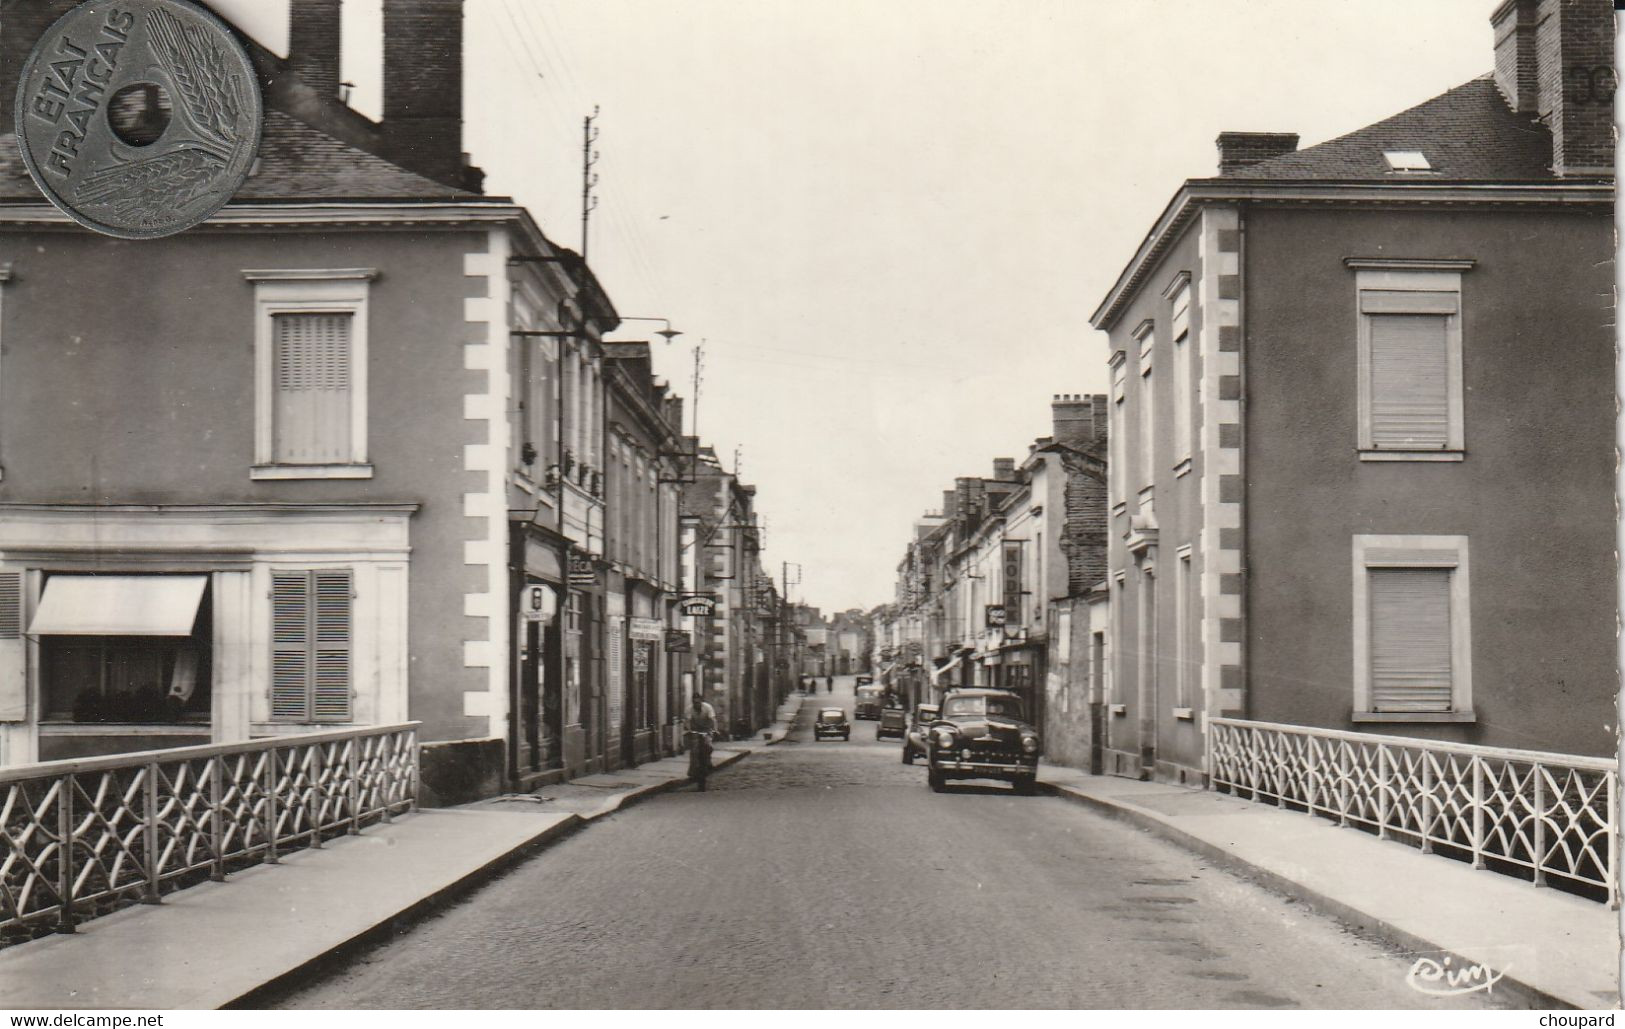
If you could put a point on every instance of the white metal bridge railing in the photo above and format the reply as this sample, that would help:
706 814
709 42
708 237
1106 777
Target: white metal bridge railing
1516 811
81 838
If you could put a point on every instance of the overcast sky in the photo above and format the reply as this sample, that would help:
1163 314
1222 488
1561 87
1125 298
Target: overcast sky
891 219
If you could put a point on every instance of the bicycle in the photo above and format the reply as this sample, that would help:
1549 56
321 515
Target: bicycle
699 756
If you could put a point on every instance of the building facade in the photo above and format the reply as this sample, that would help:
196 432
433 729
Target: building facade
1325 364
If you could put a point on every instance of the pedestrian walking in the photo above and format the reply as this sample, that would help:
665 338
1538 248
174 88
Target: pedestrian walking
829 681
699 726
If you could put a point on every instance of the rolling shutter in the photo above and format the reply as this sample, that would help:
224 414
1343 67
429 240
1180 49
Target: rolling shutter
13 653
1410 381
1410 639
312 416
310 646
616 673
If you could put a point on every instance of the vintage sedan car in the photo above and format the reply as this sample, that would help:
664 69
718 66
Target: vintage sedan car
832 722
893 722
868 702
914 742
983 734
864 680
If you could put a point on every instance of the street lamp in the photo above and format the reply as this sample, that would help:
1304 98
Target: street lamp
668 332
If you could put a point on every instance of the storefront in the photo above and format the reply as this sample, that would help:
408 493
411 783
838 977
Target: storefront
536 743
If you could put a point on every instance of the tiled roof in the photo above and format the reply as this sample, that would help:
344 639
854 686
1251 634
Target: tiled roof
295 162
1467 134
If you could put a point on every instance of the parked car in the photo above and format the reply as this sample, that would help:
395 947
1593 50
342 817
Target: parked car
864 680
868 702
983 734
914 741
893 722
832 722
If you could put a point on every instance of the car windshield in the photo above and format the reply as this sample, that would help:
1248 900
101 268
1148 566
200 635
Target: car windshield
976 707
832 716
868 692
925 714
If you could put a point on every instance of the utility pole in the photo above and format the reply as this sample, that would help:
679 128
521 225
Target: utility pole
694 403
589 178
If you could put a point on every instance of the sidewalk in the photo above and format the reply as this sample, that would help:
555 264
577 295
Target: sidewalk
218 943
1559 949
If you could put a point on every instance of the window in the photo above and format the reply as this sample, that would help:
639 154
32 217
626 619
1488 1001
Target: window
1410 389
1179 321
1115 471
1184 671
1148 430
311 373
1406 161
1412 640
311 645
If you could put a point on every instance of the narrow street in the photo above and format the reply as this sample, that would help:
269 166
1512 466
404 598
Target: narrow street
827 875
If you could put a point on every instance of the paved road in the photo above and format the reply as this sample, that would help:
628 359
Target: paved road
826 875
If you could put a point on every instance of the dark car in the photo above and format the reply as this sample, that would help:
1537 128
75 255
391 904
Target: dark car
868 702
893 722
864 680
983 734
832 722
914 738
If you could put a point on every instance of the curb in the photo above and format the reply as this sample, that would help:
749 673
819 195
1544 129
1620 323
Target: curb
261 995
1387 932
258 997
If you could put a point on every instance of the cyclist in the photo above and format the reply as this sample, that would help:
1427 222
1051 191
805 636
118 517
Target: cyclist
700 724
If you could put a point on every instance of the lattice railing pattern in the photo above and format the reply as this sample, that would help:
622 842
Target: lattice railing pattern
1553 815
79 838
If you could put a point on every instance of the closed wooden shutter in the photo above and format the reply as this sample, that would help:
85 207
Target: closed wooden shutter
11 605
1410 639
1410 381
330 686
290 646
311 646
617 670
312 415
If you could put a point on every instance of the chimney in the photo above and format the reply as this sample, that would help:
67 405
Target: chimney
20 28
1004 469
1078 419
314 31
1239 150
1514 26
1554 59
423 87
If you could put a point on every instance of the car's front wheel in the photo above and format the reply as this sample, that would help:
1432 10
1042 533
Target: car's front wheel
908 755
936 780
1027 785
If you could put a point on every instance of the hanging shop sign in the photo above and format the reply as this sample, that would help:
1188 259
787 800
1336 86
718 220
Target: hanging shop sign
1012 582
697 607
678 642
646 629
995 616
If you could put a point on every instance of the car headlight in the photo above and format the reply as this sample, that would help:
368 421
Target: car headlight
945 737
1029 744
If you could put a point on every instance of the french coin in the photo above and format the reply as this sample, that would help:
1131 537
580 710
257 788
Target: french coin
138 118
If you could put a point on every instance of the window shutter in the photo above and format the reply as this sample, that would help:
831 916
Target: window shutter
1410 639
290 646
312 415
11 605
615 674
330 690
1410 381
311 646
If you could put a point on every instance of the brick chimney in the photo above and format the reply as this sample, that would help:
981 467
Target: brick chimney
423 87
314 31
1239 150
948 498
1004 469
1553 59
1079 419
20 28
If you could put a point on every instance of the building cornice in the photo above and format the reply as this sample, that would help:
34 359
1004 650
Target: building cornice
1196 194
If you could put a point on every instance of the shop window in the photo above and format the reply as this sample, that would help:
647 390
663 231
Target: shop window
124 649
